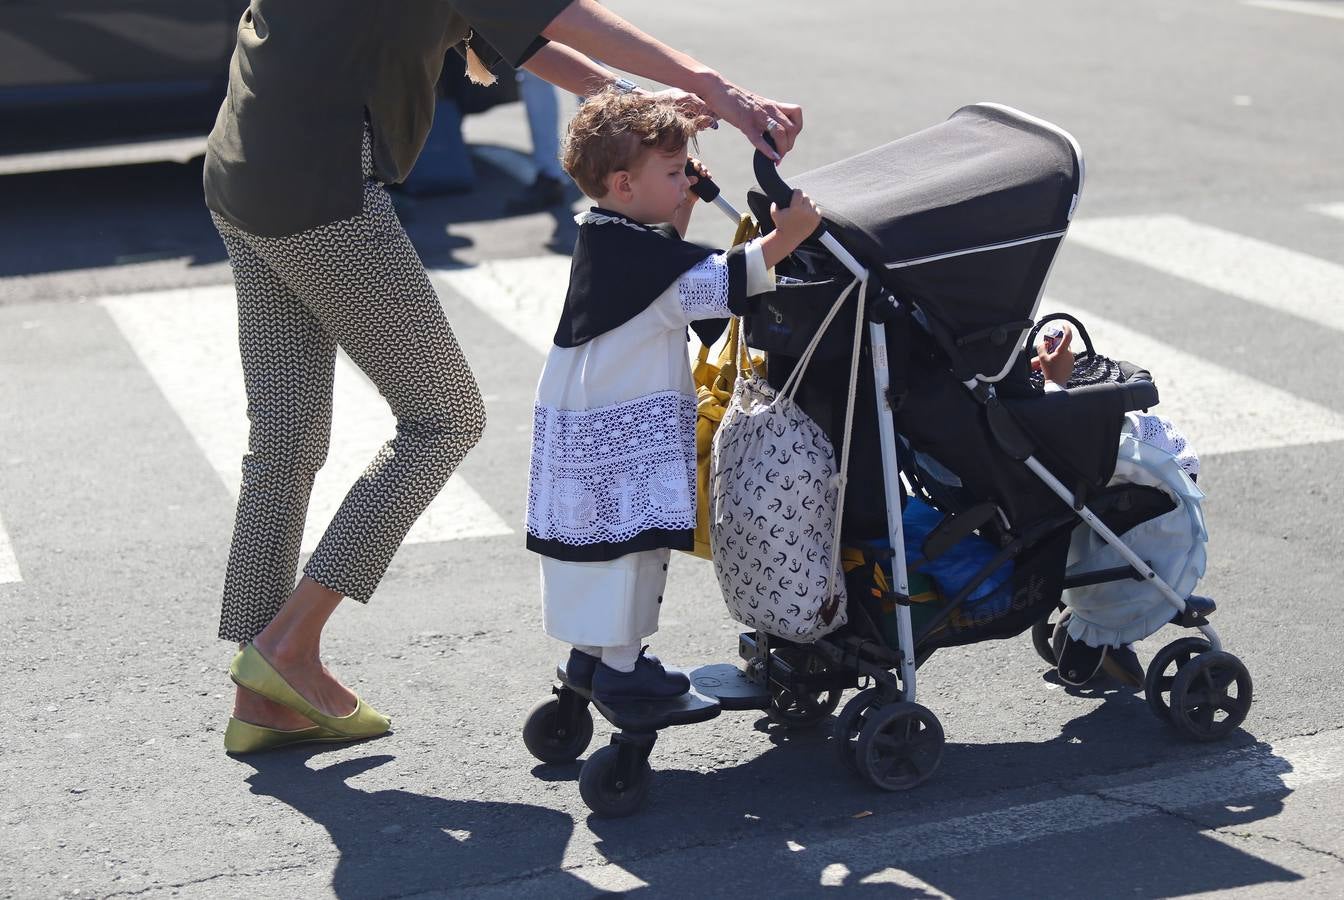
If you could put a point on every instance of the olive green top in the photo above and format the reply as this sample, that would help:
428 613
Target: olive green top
284 155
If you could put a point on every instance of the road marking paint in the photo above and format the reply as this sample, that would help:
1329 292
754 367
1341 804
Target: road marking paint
524 295
1334 210
9 563
1305 7
1218 409
1280 279
187 340
1253 771
179 150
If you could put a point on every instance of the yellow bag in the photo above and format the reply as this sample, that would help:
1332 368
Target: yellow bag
713 388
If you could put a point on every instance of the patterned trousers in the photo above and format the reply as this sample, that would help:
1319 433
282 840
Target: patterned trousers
357 283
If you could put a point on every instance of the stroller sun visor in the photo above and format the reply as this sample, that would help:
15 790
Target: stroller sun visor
964 218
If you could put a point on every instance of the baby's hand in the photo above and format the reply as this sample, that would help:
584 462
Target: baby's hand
799 220
1056 364
701 173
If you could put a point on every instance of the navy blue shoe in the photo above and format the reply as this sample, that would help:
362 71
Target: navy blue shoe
579 670
648 681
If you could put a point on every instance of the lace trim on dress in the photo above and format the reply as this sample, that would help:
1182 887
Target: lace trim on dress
606 474
704 289
592 218
1160 433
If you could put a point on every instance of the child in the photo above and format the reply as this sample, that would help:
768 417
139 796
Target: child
1107 618
612 483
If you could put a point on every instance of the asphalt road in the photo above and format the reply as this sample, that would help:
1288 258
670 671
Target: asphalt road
1209 244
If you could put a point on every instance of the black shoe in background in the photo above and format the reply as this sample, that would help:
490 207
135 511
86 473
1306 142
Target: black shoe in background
543 193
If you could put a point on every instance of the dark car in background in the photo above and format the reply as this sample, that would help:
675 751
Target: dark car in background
82 73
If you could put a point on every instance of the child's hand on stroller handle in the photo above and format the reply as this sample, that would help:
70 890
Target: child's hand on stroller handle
793 225
797 220
703 186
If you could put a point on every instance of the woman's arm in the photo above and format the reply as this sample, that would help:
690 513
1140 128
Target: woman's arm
570 70
589 27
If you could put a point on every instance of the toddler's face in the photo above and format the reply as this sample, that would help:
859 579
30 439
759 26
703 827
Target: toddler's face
658 185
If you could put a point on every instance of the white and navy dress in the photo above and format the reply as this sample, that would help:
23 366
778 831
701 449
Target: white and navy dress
612 483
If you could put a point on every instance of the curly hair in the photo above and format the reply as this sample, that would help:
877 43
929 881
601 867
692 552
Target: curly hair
612 130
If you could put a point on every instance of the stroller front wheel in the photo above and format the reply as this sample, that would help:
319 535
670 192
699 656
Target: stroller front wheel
1210 696
1042 637
1161 674
900 746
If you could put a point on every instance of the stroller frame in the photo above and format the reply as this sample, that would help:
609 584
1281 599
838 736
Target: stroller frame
984 392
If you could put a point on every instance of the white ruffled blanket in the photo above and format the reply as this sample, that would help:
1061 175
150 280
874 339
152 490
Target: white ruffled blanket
1151 453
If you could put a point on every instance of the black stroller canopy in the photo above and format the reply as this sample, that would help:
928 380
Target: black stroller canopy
964 217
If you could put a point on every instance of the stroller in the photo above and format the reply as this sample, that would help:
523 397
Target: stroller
953 231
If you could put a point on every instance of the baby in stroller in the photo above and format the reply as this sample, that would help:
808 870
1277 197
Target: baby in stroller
612 482
1110 617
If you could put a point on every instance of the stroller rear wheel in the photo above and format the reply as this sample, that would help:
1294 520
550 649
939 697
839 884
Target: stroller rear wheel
613 787
555 735
802 708
1210 696
849 723
1161 675
900 746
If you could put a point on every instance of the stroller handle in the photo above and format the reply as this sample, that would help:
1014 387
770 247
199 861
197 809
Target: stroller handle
780 194
705 188
767 176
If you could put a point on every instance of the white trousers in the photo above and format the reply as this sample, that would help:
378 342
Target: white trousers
603 604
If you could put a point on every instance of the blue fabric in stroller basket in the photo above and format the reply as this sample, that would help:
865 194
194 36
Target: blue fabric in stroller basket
955 568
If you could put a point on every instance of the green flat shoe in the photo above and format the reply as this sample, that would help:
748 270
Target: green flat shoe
244 737
251 670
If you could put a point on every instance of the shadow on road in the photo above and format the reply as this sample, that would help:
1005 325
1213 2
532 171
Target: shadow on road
395 843
1050 832
108 217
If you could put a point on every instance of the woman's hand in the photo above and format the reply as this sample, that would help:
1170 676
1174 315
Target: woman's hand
691 106
754 115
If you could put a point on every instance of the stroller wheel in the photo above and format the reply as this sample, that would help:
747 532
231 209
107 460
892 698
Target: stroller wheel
803 708
1210 696
606 791
1042 635
849 723
552 740
900 746
1161 675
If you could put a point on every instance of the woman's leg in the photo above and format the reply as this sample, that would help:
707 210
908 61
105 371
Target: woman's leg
364 282
288 362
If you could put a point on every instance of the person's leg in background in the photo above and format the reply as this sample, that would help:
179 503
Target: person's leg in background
541 100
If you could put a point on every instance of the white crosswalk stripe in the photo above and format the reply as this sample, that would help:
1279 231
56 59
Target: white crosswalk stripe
1218 409
1303 7
9 563
1221 410
1334 210
1286 281
524 295
187 339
